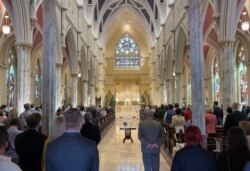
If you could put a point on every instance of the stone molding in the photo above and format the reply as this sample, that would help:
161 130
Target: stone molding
59 65
23 45
227 44
3 66
74 75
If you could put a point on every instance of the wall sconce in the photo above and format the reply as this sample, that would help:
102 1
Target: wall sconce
173 74
6 26
245 22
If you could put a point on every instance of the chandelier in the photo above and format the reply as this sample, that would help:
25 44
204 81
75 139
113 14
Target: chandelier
245 23
6 26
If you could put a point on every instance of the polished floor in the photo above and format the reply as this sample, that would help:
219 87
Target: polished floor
118 156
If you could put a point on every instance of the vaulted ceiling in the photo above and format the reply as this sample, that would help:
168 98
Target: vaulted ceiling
110 16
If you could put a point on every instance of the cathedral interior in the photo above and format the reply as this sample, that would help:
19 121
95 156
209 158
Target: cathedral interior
124 53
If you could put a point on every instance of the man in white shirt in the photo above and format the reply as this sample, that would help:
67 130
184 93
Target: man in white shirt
24 115
5 162
13 131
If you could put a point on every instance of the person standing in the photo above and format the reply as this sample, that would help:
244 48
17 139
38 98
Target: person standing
237 153
210 121
29 145
150 134
193 157
218 113
90 130
71 151
24 115
234 118
5 162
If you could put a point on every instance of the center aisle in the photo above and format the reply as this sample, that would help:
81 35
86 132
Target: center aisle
117 156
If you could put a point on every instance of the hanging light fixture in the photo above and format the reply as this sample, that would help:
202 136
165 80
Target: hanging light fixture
6 26
245 22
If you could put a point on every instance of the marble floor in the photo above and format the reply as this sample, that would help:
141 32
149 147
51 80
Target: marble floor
118 156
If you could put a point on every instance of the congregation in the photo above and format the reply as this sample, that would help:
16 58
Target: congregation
232 151
24 146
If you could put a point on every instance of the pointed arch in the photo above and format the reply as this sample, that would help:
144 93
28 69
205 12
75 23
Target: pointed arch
179 50
84 63
71 47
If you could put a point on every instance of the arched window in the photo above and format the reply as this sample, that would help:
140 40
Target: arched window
127 53
242 75
37 82
216 80
11 78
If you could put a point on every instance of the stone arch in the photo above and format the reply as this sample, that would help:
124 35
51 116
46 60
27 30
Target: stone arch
5 46
212 54
84 63
169 62
92 70
141 29
245 40
72 50
179 50
241 92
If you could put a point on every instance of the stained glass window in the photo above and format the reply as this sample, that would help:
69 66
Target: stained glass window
216 80
10 78
37 83
242 74
127 53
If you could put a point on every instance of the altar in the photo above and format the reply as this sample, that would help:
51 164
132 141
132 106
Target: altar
127 111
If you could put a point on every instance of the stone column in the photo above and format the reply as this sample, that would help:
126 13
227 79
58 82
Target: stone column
23 68
178 79
32 88
3 85
197 62
248 82
227 74
74 89
58 85
92 95
50 52
85 92
169 91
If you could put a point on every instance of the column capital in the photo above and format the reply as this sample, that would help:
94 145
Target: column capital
85 81
178 74
74 74
59 65
226 43
24 45
171 5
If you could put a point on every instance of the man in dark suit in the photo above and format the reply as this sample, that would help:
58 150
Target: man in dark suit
218 113
150 134
29 145
71 151
89 130
234 118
